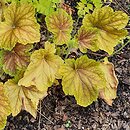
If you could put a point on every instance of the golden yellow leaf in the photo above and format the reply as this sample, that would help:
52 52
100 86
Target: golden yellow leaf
82 78
19 26
110 25
21 97
60 24
4 107
109 91
42 69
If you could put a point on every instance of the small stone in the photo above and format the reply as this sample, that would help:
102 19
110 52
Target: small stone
32 120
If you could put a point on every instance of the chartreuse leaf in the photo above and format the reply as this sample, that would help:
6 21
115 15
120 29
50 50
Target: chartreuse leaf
97 3
46 6
12 0
4 107
19 26
60 24
109 92
16 59
106 0
42 6
83 7
110 25
86 38
21 97
82 78
42 69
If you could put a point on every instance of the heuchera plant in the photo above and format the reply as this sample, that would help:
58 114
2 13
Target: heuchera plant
33 71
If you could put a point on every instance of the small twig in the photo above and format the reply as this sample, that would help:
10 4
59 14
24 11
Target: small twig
43 25
127 28
39 128
120 48
45 117
122 7
96 54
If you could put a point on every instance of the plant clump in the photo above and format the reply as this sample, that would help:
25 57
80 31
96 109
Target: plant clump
33 71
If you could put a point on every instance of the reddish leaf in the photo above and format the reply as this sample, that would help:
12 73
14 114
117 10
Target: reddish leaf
16 59
86 38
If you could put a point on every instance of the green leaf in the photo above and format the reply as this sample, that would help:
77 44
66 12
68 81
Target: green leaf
19 26
60 24
72 44
13 1
97 3
110 25
42 69
83 1
56 1
45 6
82 78
42 6
83 8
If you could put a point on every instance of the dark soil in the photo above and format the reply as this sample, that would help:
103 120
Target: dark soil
60 112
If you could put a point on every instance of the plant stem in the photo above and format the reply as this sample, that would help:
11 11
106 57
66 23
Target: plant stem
123 45
75 27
